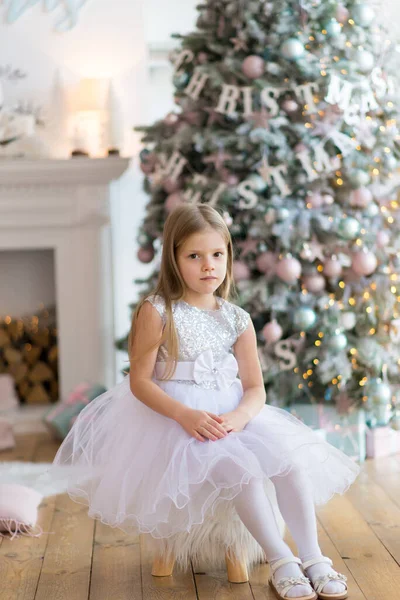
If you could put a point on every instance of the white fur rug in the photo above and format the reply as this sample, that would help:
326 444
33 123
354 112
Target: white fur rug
34 475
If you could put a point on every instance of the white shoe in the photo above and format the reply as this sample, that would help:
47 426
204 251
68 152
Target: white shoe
320 582
285 584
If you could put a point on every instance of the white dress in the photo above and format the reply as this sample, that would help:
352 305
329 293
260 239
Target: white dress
140 471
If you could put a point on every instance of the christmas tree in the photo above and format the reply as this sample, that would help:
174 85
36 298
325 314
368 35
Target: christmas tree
286 123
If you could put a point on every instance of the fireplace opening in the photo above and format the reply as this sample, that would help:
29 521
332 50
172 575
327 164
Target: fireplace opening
28 324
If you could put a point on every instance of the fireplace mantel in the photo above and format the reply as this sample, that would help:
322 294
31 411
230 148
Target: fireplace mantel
64 205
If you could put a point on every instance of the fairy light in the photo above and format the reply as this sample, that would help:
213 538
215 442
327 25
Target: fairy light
323 73
300 386
320 268
387 150
352 301
339 181
342 284
368 309
296 369
366 295
375 171
317 342
393 289
390 220
350 22
372 331
316 361
320 334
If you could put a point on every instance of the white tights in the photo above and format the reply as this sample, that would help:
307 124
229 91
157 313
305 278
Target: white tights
297 507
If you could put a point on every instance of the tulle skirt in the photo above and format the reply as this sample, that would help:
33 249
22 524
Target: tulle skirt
140 471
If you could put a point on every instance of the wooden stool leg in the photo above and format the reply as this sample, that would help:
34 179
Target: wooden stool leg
163 566
236 570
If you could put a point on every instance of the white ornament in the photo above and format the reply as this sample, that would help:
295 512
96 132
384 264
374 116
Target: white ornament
292 49
363 14
365 60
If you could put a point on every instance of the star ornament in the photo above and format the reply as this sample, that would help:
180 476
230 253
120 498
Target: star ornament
261 118
218 159
239 44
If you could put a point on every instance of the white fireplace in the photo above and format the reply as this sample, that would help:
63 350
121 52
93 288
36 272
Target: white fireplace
64 206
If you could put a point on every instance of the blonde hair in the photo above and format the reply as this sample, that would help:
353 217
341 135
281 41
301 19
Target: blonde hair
181 223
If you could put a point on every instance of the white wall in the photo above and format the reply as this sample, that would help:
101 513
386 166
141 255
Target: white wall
27 281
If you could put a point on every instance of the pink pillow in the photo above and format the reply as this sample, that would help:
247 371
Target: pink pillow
18 509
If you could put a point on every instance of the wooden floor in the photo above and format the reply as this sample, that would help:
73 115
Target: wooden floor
84 559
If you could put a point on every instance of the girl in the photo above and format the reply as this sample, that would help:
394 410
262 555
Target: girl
183 437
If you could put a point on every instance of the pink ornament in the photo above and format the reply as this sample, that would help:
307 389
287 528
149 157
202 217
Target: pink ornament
171 185
227 218
193 117
315 199
342 14
361 197
364 263
202 58
382 239
146 255
266 262
314 283
253 67
332 267
230 178
288 269
272 332
240 270
290 106
173 201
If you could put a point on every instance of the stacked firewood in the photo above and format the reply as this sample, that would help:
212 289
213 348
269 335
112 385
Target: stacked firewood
28 352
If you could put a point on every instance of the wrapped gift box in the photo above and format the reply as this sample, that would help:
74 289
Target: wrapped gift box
347 432
8 397
61 417
382 441
7 440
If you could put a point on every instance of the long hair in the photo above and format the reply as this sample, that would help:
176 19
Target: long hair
181 223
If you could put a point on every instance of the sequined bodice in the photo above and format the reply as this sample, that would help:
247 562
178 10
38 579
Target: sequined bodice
201 329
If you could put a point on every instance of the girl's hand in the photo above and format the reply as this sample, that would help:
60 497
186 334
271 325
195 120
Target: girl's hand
235 420
201 424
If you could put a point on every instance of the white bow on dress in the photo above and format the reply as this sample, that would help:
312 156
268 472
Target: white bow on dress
223 372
